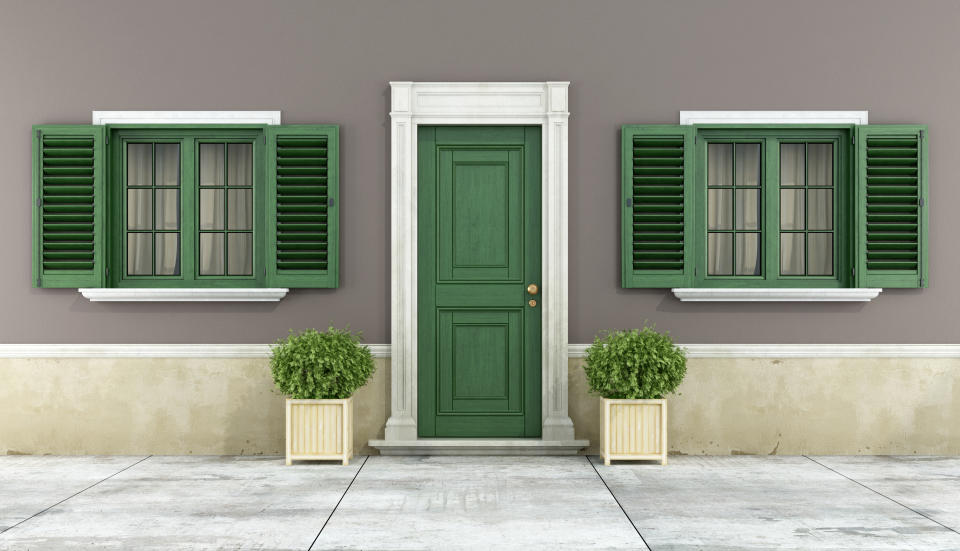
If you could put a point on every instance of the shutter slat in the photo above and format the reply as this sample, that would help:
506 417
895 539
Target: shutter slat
302 196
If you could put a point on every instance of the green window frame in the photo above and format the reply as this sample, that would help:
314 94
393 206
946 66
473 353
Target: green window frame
877 190
81 223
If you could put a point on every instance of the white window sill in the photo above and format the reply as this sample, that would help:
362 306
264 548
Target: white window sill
184 295
775 295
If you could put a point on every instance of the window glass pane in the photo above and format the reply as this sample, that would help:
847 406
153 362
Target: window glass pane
719 209
748 209
211 209
791 253
240 171
168 209
720 254
820 253
139 164
791 164
820 169
168 254
240 209
239 254
820 209
748 164
791 209
139 254
720 164
211 254
168 164
139 209
748 254
211 164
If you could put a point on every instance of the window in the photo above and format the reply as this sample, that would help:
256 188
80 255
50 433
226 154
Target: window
774 206
185 206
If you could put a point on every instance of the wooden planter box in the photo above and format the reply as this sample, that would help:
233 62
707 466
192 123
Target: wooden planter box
634 429
320 429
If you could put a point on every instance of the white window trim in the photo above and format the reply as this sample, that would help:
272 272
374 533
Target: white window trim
478 103
773 117
186 117
775 295
190 294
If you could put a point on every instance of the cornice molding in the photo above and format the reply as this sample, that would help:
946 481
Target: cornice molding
186 117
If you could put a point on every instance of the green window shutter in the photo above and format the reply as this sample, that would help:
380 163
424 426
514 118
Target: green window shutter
68 198
302 206
892 187
656 206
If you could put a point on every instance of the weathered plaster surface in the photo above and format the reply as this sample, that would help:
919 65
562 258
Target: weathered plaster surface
725 406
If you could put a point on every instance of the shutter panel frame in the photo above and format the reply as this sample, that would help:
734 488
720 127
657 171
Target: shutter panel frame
885 242
285 249
69 205
654 140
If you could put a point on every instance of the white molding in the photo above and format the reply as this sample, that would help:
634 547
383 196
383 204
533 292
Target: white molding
539 103
183 295
773 117
693 294
808 350
151 350
186 117
575 350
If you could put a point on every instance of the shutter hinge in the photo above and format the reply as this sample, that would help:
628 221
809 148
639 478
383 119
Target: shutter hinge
921 282
38 133
921 201
921 134
40 201
39 279
330 202
629 201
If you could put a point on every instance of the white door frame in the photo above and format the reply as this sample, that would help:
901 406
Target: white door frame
478 103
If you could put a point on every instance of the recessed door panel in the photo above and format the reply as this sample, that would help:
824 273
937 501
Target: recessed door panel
479 248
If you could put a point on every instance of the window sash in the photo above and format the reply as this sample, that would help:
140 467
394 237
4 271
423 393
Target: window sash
189 140
771 136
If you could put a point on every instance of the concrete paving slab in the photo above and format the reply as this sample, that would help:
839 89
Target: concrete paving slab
753 502
930 485
194 503
478 503
31 483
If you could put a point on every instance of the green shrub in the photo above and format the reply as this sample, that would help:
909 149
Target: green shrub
634 364
314 365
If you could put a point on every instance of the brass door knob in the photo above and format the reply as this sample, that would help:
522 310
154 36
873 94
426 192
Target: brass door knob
532 303
533 289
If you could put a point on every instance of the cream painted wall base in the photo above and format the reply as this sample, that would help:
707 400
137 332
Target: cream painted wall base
812 405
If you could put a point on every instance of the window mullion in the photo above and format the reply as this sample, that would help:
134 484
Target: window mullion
188 220
771 211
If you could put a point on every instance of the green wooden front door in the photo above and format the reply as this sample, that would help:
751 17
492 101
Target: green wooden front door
479 249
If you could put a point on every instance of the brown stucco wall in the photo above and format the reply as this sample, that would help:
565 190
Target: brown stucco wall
724 406
628 62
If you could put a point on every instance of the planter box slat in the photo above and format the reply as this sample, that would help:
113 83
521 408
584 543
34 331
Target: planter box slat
319 429
634 429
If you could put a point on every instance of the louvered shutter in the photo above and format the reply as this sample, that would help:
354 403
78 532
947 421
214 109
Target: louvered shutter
303 205
68 199
892 187
657 208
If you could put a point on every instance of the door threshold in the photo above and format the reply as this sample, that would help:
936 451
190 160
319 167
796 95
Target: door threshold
479 446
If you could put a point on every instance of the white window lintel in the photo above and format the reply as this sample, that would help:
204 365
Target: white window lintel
186 117
773 117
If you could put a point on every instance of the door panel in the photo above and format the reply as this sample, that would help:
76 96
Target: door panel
479 247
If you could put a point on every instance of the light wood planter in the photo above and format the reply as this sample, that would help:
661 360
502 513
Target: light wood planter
320 429
634 429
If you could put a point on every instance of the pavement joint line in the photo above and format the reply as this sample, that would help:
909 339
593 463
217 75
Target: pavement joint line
622 510
314 542
75 495
882 495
